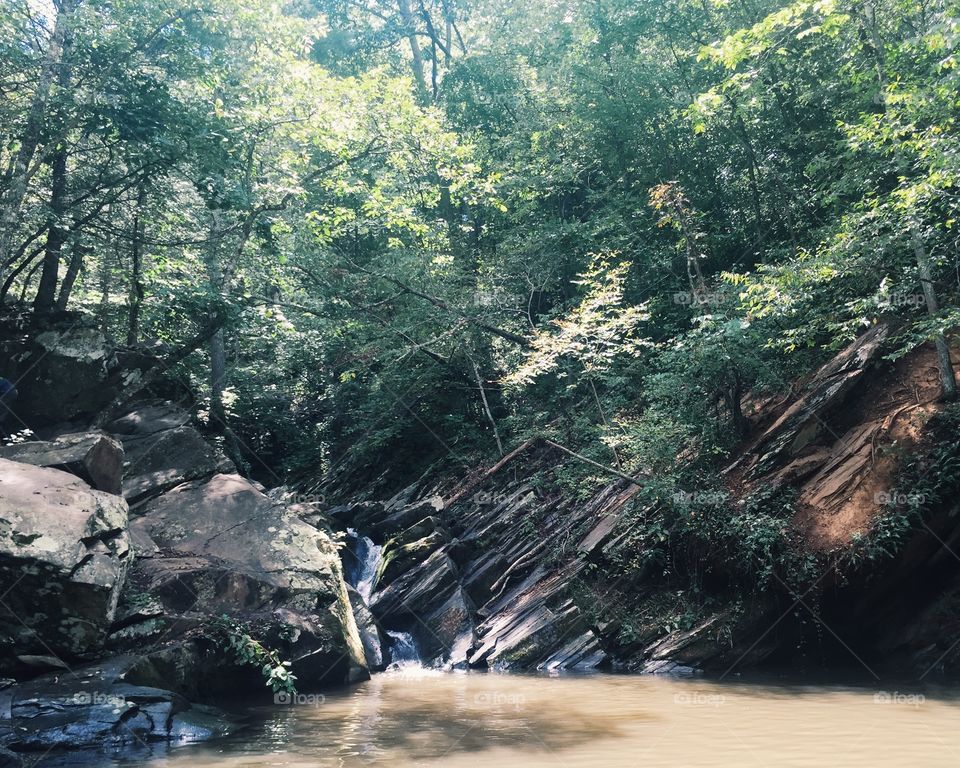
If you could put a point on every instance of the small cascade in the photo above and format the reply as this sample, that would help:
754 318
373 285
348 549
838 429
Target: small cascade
367 556
403 650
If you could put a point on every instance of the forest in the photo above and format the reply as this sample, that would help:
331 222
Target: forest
370 243
431 232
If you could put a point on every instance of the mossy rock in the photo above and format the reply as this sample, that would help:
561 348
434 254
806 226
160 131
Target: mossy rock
398 558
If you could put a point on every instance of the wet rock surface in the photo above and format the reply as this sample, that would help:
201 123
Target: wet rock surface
94 706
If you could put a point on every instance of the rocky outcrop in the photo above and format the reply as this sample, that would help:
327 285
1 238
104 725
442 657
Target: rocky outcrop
809 417
472 580
162 450
95 458
64 555
220 546
497 576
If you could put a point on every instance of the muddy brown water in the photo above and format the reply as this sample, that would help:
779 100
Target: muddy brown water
421 718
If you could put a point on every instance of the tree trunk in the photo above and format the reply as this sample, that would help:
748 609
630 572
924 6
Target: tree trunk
486 406
136 271
56 235
23 169
70 279
417 64
948 381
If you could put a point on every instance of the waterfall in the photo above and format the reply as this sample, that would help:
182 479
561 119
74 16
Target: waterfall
367 556
403 650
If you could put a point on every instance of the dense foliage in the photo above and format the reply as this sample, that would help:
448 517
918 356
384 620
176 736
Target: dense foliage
429 230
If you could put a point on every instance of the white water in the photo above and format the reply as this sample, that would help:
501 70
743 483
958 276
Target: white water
368 554
403 650
402 647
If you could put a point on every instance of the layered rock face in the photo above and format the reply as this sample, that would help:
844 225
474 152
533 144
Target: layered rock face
471 578
489 573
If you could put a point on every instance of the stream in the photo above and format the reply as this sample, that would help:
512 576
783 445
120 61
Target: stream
416 717
413 716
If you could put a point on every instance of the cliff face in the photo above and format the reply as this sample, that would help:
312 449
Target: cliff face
505 570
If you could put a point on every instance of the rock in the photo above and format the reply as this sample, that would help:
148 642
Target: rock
94 706
484 572
35 662
149 419
162 451
407 515
416 593
447 632
9 759
669 669
369 632
693 646
400 554
64 554
93 457
528 633
66 374
226 548
802 423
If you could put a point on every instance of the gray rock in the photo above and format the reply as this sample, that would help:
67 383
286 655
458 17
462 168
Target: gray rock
369 632
417 592
226 548
67 371
92 456
64 554
162 450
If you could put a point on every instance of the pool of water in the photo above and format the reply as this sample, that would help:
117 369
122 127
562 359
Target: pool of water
413 717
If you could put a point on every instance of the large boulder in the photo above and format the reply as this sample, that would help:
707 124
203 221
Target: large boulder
92 456
220 546
64 553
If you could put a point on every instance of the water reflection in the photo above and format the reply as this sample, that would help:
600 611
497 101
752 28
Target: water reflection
425 718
